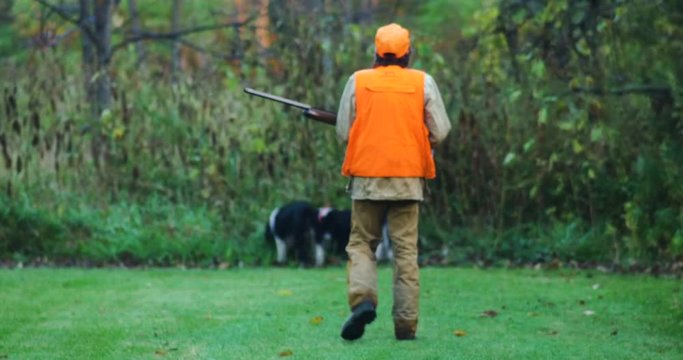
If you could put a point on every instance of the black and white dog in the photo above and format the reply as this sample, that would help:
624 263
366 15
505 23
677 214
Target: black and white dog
295 228
310 232
335 228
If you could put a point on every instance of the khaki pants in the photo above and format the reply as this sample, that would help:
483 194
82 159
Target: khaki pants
366 232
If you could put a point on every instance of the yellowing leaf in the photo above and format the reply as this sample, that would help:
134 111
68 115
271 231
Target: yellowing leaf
575 83
118 132
489 313
285 293
577 147
459 333
212 169
316 320
589 81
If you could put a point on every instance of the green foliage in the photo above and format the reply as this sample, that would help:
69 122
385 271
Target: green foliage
152 232
24 230
566 144
563 122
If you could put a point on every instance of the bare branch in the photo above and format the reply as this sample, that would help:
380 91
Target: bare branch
175 53
143 36
80 22
51 39
628 89
135 26
212 53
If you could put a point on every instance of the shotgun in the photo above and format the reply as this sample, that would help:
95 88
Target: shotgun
310 112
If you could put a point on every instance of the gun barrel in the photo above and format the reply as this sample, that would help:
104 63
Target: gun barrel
279 99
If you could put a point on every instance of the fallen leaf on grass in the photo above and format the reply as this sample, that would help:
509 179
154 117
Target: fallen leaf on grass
162 352
316 320
459 333
589 312
285 292
489 313
285 353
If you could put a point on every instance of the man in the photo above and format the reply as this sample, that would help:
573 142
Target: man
389 117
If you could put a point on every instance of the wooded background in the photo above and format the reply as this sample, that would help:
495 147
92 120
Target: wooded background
125 137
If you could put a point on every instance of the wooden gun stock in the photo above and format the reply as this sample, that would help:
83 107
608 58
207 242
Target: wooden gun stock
322 116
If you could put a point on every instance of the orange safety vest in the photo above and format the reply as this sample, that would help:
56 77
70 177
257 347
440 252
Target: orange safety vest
389 137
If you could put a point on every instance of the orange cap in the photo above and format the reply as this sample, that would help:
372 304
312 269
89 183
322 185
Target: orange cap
393 39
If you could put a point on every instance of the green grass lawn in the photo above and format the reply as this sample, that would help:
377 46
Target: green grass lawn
297 314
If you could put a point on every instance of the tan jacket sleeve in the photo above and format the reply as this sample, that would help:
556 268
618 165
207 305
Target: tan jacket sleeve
347 110
435 112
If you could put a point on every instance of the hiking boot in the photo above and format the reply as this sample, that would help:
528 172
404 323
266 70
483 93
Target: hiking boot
404 334
354 327
405 330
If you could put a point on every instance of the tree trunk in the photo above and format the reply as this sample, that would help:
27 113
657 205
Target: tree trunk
263 26
101 84
348 11
6 11
175 26
368 10
136 28
103 11
327 49
87 51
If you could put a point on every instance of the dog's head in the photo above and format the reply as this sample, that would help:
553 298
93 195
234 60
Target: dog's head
335 226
